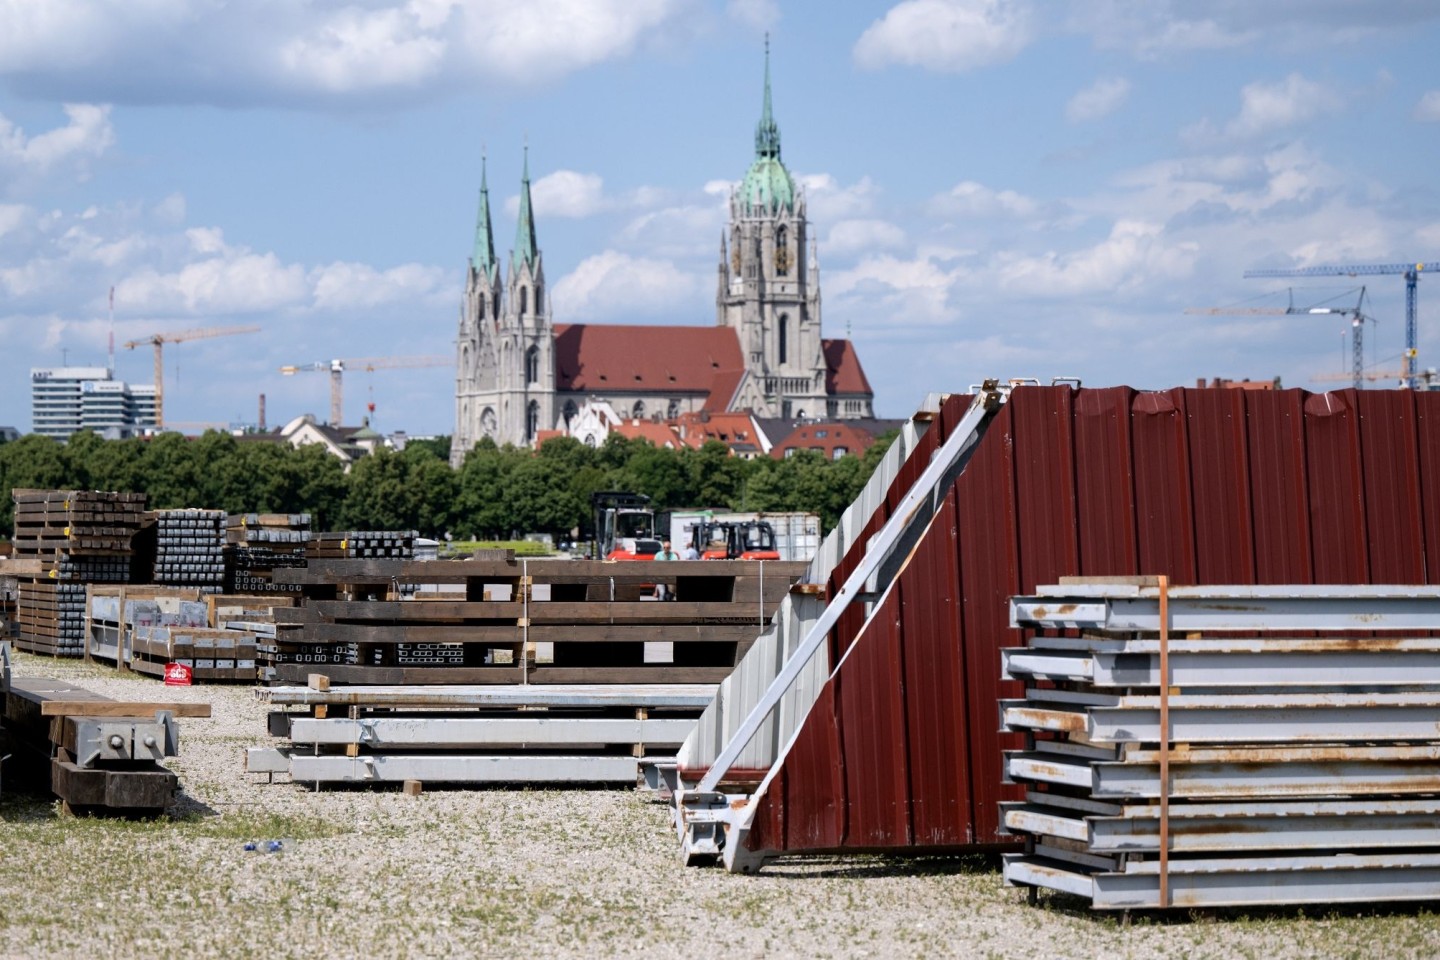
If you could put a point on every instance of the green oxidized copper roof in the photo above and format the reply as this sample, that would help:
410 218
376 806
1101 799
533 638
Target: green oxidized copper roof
524 230
767 183
483 259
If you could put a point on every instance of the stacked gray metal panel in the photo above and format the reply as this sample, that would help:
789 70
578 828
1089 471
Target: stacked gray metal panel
257 544
742 690
1293 768
190 548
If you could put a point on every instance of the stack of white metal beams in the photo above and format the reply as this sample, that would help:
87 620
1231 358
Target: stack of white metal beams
1247 746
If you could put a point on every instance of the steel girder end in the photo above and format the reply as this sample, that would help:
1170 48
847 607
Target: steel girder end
700 824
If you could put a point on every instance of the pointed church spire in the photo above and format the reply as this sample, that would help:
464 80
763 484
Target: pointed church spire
483 259
767 132
525 229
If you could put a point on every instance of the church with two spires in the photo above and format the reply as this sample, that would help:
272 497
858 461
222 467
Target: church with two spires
521 374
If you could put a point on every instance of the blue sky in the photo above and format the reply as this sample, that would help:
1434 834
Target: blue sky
1009 188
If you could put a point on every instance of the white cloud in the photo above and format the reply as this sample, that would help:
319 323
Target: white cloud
759 14
1100 99
1135 253
1428 109
87 135
12 217
855 236
343 286
566 193
971 199
615 286
828 200
311 52
946 35
1269 107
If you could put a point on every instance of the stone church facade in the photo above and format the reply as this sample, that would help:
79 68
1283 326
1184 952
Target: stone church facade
519 373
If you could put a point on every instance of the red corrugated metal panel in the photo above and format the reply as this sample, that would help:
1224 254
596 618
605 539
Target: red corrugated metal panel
1105 483
1045 484
989 576
1206 486
1337 488
1165 519
871 696
1391 458
1220 481
1427 424
935 689
1275 429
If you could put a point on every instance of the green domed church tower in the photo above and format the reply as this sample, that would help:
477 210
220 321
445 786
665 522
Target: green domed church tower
769 284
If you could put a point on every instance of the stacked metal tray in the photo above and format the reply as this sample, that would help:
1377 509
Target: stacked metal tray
1298 761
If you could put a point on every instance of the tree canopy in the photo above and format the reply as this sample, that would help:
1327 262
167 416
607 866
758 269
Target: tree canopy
499 492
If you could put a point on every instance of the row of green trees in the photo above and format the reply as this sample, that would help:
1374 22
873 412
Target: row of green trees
498 492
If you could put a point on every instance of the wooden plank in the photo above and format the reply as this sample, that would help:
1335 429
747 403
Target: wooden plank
119 708
549 612
543 570
483 635
504 674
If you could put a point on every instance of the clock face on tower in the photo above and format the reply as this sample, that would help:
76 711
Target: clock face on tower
782 260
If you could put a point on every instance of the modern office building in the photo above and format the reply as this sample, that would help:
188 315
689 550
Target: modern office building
64 400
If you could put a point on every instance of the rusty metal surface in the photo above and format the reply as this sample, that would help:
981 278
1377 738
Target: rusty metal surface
1205 486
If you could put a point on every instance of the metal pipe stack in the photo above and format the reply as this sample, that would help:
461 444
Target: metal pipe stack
1246 746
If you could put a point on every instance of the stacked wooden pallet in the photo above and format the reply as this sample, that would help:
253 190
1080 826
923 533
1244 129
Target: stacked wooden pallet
504 670
258 544
78 537
94 753
1217 746
190 548
508 621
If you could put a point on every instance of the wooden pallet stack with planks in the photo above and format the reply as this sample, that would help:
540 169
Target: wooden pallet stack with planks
75 538
361 544
535 621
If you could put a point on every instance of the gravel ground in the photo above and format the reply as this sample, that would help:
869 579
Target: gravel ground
538 873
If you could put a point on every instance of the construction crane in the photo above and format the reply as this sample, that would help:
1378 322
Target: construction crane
158 341
1410 271
1357 325
337 370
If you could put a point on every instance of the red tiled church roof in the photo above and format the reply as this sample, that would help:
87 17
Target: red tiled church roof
601 358
843 371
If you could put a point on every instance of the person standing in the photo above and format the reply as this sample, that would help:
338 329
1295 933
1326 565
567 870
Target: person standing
662 591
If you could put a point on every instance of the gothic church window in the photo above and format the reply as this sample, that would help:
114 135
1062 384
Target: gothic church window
538 308
532 365
488 422
532 421
784 337
638 411
570 412
782 252
672 410
524 300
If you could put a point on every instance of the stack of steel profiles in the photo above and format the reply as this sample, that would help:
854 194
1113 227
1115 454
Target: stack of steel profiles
354 544
93 753
258 544
190 548
508 621
1221 746
596 733
77 537
9 597
114 614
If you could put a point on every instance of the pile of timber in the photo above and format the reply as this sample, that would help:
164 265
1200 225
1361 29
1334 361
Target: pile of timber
70 538
359 544
190 548
504 670
143 629
534 621
258 544
95 754
1226 746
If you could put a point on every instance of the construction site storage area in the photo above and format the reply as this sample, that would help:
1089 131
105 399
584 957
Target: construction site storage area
1150 649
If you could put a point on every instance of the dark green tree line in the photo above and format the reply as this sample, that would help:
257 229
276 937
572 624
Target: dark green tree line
496 494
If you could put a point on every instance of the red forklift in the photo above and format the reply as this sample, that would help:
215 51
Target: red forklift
624 526
734 540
